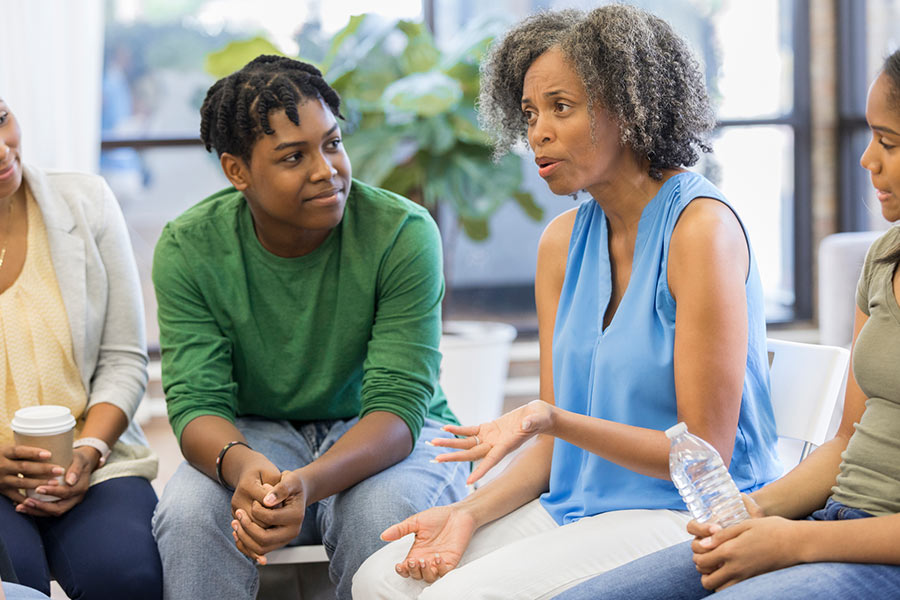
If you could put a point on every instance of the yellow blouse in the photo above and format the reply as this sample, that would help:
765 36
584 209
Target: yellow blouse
37 364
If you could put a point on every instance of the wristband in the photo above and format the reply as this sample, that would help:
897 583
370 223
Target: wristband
221 457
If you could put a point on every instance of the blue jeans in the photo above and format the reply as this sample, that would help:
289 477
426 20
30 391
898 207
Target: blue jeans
101 548
670 575
14 591
193 520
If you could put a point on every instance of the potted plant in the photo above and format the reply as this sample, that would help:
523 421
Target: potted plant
412 128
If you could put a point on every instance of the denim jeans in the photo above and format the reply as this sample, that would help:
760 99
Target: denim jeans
192 521
670 575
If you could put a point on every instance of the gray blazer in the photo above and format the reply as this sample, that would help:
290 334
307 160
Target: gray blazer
99 283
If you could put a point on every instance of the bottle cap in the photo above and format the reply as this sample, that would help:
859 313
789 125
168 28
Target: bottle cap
676 430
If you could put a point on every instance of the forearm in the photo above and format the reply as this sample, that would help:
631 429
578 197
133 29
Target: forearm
872 540
644 451
379 440
202 440
523 480
105 421
807 486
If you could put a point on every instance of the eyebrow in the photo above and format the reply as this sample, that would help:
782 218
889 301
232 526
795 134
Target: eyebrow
284 145
550 94
883 129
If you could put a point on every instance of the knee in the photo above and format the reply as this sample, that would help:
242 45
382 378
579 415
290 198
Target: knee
188 517
376 578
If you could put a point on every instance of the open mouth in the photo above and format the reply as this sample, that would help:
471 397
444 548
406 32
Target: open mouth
547 165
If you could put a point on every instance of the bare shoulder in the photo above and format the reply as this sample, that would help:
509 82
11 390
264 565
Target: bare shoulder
708 238
705 225
555 239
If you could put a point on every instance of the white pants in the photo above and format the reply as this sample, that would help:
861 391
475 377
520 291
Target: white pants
526 555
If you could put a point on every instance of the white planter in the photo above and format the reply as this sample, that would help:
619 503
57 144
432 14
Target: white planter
474 368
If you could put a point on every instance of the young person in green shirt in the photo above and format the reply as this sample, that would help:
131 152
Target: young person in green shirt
300 316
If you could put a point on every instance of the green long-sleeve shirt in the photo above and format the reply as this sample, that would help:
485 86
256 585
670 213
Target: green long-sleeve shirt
350 328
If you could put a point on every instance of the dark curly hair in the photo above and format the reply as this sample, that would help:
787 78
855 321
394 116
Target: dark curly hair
631 63
236 110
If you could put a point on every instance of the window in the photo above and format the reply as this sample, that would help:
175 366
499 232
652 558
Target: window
869 32
756 57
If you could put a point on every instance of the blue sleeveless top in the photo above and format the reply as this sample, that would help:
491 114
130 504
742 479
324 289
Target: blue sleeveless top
625 372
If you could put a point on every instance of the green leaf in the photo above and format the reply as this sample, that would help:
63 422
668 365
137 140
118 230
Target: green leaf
373 154
420 54
424 94
237 54
340 37
526 202
477 229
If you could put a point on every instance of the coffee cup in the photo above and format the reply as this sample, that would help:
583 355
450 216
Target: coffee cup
49 427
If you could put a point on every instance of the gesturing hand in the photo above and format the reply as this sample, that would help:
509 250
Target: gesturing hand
274 516
442 535
493 440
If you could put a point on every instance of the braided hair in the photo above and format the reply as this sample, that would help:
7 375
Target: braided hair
235 113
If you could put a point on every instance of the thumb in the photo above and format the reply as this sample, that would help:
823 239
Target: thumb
284 489
395 532
73 473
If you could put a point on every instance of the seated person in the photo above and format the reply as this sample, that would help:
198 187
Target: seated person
300 316
850 486
650 312
72 334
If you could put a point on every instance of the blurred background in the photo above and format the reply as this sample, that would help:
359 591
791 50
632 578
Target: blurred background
114 86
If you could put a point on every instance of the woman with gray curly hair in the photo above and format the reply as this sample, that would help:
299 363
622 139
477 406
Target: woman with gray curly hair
654 266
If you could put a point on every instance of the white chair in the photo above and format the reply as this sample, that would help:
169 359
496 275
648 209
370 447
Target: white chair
807 380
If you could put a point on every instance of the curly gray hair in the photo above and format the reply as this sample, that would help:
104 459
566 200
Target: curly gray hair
631 62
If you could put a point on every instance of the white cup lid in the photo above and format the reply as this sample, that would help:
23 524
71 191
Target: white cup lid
43 420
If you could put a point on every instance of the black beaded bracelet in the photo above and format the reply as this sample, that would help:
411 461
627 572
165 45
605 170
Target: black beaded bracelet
221 456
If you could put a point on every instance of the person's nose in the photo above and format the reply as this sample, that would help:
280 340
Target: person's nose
540 132
869 159
323 169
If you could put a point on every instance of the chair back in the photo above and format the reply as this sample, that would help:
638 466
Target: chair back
807 380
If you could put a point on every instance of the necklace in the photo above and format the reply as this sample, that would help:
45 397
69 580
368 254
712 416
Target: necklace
8 229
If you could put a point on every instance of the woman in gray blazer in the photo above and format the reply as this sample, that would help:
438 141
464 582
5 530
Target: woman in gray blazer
72 334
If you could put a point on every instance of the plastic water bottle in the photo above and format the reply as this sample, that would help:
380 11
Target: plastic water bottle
702 479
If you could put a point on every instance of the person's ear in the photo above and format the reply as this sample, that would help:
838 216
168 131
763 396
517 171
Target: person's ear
236 170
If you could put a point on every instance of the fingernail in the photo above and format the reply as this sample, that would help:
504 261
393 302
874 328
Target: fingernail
269 499
715 528
20 508
437 559
422 563
71 478
234 525
705 542
433 461
41 490
58 471
411 563
526 425
44 454
398 568
427 443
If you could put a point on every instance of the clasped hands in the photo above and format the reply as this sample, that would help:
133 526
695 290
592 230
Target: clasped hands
29 468
728 556
267 507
